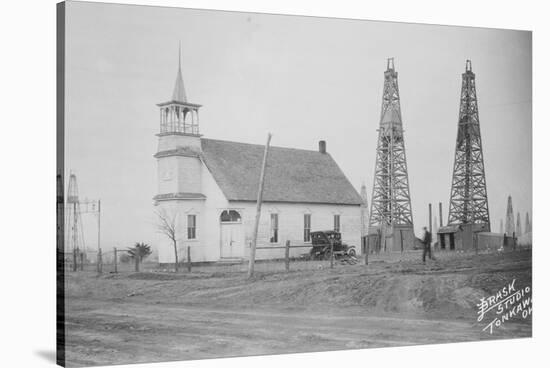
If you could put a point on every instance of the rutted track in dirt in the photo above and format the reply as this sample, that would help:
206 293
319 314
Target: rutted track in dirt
182 332
146 317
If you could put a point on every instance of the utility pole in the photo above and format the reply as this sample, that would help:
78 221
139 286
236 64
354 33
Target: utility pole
73 221
75 227
99 224
364 223
99 255
75 237
115 256
99 261
440 215
430 216
258 210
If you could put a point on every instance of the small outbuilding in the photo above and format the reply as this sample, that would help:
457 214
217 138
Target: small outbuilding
460 236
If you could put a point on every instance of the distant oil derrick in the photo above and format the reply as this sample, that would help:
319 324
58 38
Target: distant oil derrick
74 239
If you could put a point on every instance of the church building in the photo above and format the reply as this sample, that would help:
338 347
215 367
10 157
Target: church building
208 188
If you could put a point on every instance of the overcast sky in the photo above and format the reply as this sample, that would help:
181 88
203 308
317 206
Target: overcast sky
301 78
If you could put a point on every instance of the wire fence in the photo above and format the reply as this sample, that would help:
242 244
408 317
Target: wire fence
118 261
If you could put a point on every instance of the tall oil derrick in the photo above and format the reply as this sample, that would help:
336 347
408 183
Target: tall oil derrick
468 202
73 222
391 214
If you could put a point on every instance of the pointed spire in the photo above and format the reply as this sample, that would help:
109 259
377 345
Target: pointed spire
179 89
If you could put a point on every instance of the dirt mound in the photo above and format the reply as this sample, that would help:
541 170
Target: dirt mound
442 289
409 294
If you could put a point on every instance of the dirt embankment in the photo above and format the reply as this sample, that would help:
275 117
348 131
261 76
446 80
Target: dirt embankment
441 289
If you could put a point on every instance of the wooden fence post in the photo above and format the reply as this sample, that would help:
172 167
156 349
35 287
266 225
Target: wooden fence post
331 253
116 271
81 261
287 256
367 249
74 260
99 261
188 258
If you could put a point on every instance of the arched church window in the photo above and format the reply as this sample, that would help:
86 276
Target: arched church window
230 216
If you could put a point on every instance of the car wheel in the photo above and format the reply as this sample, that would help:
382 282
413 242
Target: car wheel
326 255
352 253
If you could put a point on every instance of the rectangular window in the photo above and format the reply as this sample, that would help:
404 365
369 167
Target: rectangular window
307 227
274 228
191 226
337 223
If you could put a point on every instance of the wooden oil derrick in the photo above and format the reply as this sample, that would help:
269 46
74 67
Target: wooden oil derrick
391 214
468 202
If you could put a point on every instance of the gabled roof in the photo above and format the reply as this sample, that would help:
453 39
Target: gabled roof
292 175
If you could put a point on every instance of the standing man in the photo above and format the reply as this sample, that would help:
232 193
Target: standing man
427 240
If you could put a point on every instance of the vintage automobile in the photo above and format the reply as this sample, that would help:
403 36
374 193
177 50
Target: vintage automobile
321 245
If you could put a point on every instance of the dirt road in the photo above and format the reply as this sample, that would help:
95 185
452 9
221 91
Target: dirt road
147 317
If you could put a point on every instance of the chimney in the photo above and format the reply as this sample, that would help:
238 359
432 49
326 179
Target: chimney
322 146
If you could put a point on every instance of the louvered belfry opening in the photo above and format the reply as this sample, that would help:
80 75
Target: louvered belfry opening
178 116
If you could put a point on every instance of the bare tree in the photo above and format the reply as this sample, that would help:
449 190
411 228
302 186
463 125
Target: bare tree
167 226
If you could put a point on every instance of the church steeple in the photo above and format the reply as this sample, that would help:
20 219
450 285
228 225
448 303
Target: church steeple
179 88
178 116
179 146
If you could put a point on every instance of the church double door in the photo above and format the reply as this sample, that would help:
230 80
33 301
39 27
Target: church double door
232 242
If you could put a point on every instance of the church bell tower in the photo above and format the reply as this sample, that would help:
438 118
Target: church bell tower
179 147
